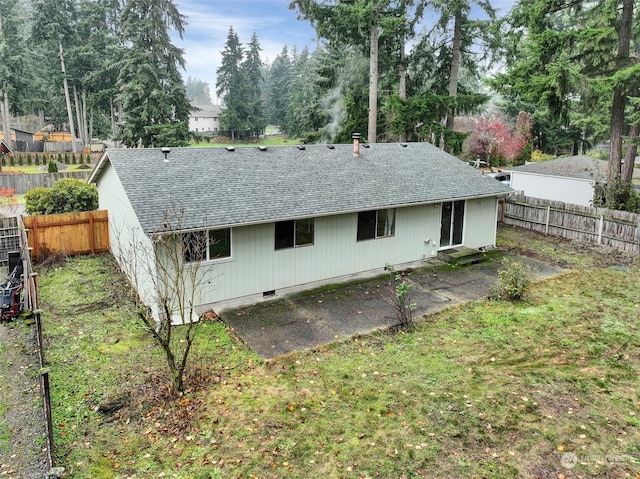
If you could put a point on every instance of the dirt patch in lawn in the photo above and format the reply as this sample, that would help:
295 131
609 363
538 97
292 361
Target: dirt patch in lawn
559 251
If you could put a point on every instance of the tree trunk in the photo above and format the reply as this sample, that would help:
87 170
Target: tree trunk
81 109
68 100
619 102
454 72
402 73
90 126
6 118
114 130
630 157
76 100
373 85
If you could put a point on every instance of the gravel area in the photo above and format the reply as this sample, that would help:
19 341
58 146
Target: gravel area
22 430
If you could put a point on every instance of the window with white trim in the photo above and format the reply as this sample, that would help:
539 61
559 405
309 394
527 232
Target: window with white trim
206 245
294 233
376 224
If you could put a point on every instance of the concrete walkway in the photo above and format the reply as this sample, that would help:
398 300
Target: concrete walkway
306 321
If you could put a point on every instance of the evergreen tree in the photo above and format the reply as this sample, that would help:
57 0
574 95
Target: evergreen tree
153 94
304 112
13 79
53 27
359 23
231 86
278 89
457 36
575 59
198 92
252 68
93 63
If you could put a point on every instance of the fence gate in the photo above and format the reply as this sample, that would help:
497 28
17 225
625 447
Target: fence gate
9 240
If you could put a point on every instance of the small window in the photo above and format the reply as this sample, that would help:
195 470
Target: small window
194 246
206 245
291 234
220 243
376 224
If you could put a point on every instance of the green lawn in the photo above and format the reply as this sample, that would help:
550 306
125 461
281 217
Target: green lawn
276 140
486 390
35 169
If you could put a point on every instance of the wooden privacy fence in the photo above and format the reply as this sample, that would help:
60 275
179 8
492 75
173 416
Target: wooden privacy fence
617 229
22 184
68 233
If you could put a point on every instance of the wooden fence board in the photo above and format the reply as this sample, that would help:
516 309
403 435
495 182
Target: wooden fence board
22 184
617 229
68 233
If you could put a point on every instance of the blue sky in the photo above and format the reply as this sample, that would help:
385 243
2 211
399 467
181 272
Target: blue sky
208 23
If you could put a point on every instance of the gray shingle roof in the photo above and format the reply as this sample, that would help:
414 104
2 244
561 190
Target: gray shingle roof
583 167
217 187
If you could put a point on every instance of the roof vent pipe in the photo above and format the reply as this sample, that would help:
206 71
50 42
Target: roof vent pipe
166 150
356 144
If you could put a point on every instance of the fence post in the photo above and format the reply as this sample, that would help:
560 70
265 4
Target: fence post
546 224
600 228
46 395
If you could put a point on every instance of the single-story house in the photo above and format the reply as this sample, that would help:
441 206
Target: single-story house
570 179
282 219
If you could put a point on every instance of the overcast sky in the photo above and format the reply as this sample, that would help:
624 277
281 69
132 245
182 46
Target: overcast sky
208 23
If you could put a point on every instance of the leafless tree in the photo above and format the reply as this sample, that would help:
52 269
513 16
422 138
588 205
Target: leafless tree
165 286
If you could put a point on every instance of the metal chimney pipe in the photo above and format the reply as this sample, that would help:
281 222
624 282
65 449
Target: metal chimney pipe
356 144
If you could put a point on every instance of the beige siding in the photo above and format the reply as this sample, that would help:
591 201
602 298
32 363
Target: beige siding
480 222
256 267
130 247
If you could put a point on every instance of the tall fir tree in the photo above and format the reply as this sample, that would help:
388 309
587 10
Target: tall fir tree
231 87
278 89
356 23
198 92
152 91
252 67
54 28
13 75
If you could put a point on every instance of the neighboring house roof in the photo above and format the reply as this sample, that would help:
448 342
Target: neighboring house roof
23 131
209 111
4 148
582 167
221 188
